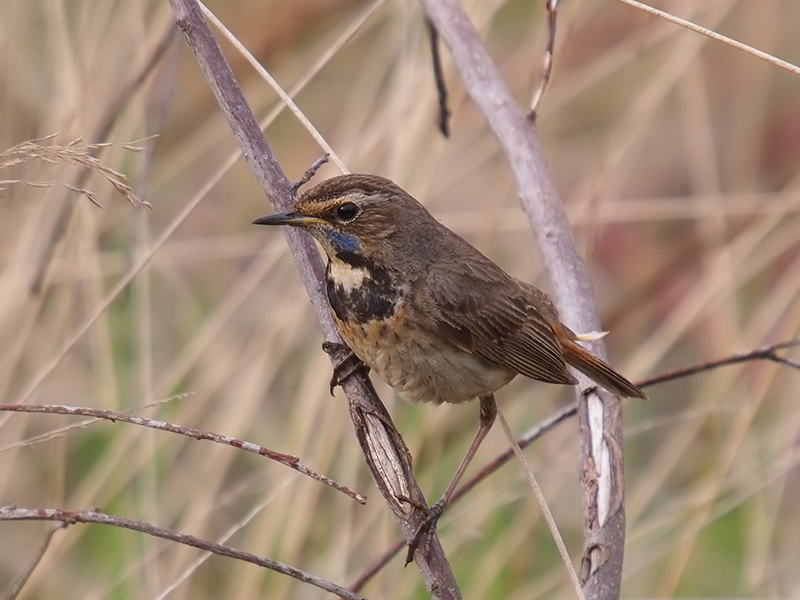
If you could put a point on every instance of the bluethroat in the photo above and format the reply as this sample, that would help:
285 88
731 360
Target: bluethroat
435 318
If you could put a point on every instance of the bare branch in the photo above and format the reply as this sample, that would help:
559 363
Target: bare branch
571 282
766 353
382 445
71 517
288 460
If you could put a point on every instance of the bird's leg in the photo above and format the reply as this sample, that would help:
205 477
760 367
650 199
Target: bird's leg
488 415
346 367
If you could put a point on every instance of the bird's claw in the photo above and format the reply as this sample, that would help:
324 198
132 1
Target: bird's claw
331 347
346 367
428 525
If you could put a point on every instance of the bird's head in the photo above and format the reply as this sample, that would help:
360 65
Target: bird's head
358 218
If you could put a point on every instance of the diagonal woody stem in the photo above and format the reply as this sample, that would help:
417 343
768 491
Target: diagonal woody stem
601 476
384 449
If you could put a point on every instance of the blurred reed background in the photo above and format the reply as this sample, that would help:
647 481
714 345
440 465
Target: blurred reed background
677 159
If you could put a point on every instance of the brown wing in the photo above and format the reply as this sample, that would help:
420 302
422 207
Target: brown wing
484 311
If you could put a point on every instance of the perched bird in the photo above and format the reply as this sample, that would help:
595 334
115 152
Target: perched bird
436 319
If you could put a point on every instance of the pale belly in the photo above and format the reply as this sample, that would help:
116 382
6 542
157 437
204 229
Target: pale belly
421 371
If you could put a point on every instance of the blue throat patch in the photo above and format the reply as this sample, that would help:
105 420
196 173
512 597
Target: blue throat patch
344 242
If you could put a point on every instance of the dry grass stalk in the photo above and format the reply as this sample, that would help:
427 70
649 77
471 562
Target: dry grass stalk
74 153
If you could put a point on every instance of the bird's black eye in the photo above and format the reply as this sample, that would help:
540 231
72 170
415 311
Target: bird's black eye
347 211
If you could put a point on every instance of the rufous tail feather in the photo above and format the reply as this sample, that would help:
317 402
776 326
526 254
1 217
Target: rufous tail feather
598 371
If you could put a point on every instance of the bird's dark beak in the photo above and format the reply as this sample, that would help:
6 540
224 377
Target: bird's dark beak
288 217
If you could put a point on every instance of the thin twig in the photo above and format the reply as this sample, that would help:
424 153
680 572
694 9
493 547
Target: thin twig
715 36
766 353
71 517
62 431
536 100
288 460
548 516
441 84
310 172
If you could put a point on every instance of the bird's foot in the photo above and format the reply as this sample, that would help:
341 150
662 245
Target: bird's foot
425 530
346 367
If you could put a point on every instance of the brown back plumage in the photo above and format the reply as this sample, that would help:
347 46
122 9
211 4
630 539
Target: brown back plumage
389 255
